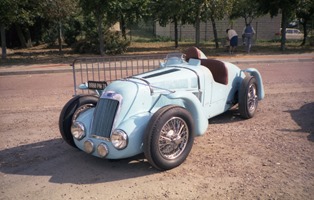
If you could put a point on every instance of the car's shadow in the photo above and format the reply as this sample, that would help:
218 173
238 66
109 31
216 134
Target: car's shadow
229 116
304 117
65 164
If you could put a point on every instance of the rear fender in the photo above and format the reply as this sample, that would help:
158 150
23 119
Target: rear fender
193 105
254 72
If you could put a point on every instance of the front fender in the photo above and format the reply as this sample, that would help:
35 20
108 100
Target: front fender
254 72
193 105
134 126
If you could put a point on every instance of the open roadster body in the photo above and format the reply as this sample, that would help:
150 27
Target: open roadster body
159 112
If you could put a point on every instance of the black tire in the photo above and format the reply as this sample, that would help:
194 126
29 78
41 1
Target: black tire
248 99
66 115
172 149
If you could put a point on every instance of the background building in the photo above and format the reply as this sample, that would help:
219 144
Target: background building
265 28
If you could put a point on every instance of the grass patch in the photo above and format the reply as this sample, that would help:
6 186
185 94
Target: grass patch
259 48
43 54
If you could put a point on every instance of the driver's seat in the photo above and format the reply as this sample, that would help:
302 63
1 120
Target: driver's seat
217 67
195 53
218 70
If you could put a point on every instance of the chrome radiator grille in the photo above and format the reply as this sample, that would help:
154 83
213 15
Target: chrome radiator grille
105 113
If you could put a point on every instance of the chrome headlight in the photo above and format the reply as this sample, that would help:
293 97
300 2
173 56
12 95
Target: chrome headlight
78 130
89 146
102 150
119 139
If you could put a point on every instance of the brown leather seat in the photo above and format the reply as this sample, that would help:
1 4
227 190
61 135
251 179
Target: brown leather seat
218 70
192 52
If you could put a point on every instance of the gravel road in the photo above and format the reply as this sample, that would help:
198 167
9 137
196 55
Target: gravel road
267 157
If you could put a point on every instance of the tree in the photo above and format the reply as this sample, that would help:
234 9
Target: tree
57 11
194 15
7 16
202 10
127 12
305 14
247 9
26 13
166 12
216 10
99 9
274 7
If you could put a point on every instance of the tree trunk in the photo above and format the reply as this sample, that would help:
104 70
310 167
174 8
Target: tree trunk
100 35
60 37
28 38
304 32
123 26
283 30
3 42
20 35
176 38
197 31
215 32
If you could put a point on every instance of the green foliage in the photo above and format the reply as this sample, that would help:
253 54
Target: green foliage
113 44
7 8
305 15
166 11
247 9
58 10
161 39
85 23
51 34
71 31
18 11
274 7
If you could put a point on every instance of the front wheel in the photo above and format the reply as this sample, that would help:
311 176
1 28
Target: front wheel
248 99
71 111
169 138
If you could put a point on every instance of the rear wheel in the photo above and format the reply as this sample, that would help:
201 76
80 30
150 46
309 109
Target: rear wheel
71 111
248 99
169 138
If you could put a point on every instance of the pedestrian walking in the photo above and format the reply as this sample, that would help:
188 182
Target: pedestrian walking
247 35
233 40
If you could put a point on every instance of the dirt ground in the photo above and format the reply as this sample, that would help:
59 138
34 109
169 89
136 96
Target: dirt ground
267 157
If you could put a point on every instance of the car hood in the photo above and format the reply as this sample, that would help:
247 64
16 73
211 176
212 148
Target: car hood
171 78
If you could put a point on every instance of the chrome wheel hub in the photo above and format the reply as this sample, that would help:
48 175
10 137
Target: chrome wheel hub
252 98
173 138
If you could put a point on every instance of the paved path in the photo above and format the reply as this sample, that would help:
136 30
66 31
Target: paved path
236 59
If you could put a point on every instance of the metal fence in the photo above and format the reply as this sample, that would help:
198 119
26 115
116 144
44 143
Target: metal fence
112 68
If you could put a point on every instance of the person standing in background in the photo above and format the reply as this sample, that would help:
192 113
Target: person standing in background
233 40
247 34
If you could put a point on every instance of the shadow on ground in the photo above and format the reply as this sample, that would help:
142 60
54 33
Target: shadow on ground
229 116
304 117
65 164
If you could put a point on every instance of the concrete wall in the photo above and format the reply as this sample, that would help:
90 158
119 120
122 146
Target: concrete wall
265 27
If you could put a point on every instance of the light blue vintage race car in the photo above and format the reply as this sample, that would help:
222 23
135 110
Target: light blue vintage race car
159 112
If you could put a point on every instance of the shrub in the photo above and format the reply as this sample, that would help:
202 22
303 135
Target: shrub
113 44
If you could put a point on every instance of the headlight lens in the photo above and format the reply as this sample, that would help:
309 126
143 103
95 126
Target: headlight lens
102 150
89 146
119 139
78 130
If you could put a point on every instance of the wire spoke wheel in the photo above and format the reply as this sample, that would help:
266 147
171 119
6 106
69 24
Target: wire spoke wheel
71 111
248 97
252 98
173 138
169 138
